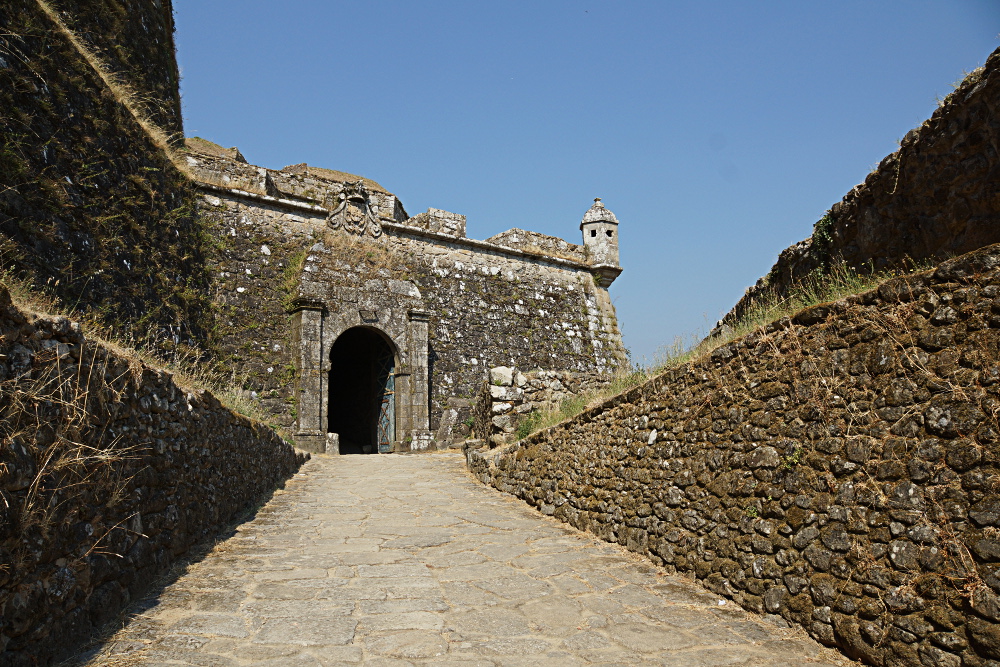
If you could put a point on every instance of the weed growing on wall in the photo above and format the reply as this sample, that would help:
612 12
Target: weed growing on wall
46 413
835 283
968 77
571 406
291 274
366 259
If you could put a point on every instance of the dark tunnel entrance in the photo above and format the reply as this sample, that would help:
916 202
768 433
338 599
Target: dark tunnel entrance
362 392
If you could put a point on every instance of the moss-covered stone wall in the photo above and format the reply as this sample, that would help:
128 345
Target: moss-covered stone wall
840 469
91 210
136 42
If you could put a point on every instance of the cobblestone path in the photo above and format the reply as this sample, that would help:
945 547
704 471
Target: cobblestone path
405 560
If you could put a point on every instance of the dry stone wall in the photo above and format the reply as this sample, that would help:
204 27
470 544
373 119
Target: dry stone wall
935 197
840 469
509 396
109 471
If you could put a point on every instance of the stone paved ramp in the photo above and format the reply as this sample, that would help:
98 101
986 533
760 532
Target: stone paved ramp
405 560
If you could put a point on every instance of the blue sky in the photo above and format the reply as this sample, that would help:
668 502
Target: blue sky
718 132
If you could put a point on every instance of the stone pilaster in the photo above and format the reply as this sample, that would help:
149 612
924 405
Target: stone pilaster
310 386
419 398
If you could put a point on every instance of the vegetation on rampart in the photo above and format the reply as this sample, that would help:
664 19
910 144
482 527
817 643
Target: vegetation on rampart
770 308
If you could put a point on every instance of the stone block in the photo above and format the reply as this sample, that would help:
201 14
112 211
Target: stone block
505 393
501 376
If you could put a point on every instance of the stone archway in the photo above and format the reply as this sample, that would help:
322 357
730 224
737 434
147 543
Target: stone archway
362 396
395 314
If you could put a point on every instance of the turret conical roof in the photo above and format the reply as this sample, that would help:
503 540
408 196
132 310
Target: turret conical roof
597 213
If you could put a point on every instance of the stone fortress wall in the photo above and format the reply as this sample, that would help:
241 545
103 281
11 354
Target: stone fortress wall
935 197
839 469
92 210
452 306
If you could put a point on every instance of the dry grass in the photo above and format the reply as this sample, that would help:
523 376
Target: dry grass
553 252
769 307
343 177
816 289
370 259
574 405
188 366
45 421
136 104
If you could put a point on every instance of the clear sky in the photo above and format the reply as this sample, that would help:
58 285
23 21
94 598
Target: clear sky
718 132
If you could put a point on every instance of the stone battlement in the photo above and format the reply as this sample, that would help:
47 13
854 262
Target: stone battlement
317 189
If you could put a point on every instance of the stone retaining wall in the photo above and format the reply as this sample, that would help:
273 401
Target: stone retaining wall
509 396
109 471
839 469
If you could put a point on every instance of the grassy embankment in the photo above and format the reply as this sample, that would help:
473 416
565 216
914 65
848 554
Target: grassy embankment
840 282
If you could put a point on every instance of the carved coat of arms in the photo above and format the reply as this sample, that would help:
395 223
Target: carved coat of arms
354 212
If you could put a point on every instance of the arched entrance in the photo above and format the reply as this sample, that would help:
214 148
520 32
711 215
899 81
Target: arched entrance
362 401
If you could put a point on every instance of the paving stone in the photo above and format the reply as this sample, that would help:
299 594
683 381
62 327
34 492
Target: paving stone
490 623
404 560
307 631
212 625
517 587
645 639
411 644
586 640
292 574
414 620
330 656
518 646
397 606
296 608
209 600
554 613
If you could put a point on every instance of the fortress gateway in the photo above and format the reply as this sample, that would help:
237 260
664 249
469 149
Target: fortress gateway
368 329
